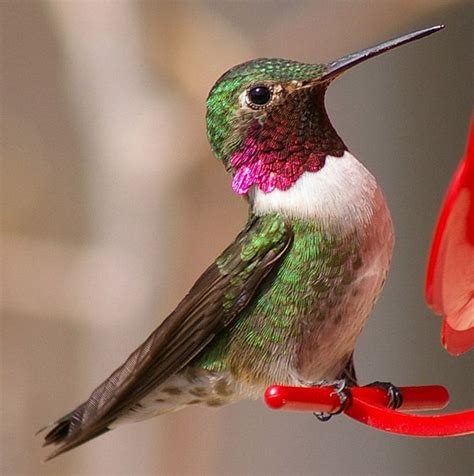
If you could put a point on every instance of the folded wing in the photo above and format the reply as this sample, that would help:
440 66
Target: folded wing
214 301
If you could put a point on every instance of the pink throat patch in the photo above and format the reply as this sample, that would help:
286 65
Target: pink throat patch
271 166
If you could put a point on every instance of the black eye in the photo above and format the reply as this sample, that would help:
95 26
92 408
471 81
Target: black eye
259 95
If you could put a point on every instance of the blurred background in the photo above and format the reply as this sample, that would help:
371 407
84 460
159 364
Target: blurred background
112 205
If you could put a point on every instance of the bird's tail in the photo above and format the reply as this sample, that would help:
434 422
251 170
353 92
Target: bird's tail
65 431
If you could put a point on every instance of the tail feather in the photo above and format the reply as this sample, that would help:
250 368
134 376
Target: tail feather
58 433
66 433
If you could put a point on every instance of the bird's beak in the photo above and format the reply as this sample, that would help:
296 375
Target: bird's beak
336 68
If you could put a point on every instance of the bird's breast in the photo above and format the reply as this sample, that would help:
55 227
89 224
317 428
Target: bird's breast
335 270
340 196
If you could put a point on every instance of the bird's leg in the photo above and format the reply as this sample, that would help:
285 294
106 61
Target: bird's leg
395 397
344 393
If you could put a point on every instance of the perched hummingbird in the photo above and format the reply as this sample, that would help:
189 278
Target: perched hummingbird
286 301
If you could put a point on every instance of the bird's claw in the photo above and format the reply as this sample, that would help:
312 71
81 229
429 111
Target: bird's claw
395 396
345 398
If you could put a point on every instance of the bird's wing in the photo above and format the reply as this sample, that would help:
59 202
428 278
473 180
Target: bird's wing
216 298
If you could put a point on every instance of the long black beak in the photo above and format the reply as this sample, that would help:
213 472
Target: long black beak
335 68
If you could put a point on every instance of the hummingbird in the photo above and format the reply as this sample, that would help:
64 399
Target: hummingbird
285 302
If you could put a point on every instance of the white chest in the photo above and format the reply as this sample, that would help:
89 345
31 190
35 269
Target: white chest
343 194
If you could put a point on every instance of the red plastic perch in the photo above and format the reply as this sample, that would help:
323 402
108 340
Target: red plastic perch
369 406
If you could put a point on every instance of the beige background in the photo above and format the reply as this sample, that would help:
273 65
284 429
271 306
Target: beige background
112 205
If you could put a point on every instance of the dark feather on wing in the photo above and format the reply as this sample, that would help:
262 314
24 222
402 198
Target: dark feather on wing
203 313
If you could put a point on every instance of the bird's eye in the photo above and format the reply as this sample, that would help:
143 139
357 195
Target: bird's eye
258 96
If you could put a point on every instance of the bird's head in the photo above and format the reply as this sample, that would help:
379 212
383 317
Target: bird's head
267 122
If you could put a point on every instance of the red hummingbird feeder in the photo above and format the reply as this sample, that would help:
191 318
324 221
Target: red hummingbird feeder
449 292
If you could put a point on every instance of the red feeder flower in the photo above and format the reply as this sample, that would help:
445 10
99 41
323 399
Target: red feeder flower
450 276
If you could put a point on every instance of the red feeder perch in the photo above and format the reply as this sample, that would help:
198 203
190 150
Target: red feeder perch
450 292
369 406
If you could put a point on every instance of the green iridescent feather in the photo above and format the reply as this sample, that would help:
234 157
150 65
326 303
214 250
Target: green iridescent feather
308 284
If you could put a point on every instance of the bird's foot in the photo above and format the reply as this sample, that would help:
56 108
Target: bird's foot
395 397
344 393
